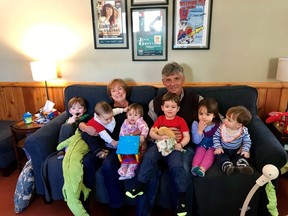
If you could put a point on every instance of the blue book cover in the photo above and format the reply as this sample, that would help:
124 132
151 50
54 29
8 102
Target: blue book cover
128 145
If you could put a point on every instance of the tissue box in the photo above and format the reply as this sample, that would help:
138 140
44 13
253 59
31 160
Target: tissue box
52 114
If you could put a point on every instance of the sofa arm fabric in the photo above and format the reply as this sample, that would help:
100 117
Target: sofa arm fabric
265 149
41 144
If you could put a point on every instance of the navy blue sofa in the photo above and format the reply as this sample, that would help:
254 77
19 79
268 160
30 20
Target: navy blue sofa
216 193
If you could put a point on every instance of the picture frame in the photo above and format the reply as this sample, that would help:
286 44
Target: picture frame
149 34
109 20
191 24
148 2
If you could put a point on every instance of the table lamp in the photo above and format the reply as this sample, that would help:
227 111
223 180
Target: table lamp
282 72
44 71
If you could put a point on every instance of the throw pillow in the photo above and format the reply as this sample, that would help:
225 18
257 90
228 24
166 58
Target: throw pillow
24 188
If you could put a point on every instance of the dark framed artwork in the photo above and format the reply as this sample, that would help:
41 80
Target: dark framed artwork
148 2
149 34
110 24
191 24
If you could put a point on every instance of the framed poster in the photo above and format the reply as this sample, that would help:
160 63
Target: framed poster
149 34
191 24
148 2
110 24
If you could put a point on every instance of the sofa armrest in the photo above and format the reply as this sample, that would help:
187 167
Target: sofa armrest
41 144
266 149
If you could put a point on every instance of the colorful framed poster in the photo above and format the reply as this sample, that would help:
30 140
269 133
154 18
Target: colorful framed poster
149 34
110 24
148 2
192 24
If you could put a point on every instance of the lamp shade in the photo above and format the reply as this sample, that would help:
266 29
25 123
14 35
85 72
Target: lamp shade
282 69
43 70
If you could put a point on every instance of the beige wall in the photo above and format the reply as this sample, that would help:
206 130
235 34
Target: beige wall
247 37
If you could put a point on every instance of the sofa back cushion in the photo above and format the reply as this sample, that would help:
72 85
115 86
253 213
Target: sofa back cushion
93 94
227 96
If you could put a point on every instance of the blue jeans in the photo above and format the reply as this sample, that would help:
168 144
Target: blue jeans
146 202
175 164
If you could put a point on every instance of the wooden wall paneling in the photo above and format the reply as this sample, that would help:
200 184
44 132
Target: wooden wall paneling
2 105
262 92
57 96
283 100
16 98
272 100
15 105
28 95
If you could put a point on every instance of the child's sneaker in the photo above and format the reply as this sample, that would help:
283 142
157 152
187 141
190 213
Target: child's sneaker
122 171
60 155
131 170
200 172
245 169
243 166
137 191
194 170
228 168
181 209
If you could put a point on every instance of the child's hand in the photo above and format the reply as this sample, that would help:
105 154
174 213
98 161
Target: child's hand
201 126
114 143
142 139
218 151
137 132
245 154
71 119
178 147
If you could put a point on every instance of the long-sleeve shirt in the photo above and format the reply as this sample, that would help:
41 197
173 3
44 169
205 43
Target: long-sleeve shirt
207 134
100 127
241 140
128 129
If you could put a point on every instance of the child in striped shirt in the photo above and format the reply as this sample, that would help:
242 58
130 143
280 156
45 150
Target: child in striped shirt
232 142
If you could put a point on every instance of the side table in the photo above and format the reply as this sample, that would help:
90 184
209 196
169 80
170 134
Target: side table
277 130
20 131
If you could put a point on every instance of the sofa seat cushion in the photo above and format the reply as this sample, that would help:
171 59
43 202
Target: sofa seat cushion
225 194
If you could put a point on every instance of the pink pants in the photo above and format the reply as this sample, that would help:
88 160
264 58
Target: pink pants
203 157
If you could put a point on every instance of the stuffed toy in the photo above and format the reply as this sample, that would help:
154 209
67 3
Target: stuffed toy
73 173
279 117
165 146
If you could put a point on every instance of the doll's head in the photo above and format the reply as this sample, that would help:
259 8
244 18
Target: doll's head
134 112
77 106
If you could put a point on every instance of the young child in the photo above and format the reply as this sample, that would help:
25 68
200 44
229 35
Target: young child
174 160
104 119
77 107
232 141
133 125
202 135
